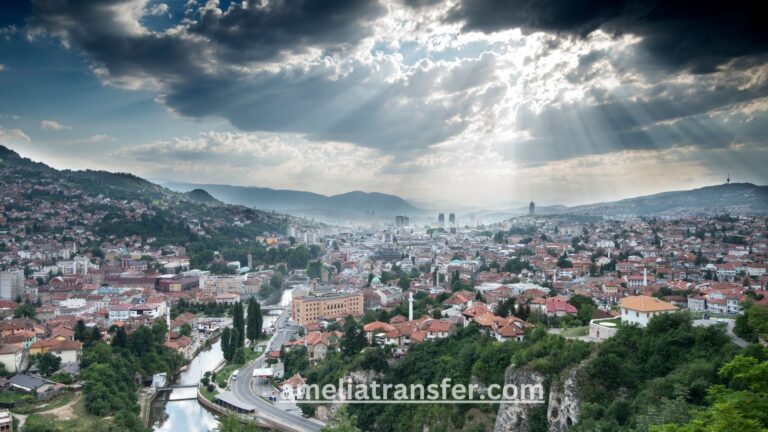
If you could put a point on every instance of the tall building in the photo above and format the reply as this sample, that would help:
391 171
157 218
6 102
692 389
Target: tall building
452 218
441 219
316 307
531 208
11 284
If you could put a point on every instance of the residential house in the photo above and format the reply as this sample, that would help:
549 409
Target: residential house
67 350
11 356
640 309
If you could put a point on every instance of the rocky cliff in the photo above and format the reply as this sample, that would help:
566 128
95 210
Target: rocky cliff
563 403
563 407
325 413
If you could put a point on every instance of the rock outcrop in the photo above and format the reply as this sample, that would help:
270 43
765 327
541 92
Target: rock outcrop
563 403
514 417
325 413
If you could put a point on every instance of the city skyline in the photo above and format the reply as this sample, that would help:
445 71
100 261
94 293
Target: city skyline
472 103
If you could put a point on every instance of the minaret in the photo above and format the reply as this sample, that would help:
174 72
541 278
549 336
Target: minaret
645 276
410 306
168 320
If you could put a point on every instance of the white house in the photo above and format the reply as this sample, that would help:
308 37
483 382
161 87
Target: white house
68 351
11 356
640 309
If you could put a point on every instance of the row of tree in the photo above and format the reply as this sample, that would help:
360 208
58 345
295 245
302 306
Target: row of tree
233 338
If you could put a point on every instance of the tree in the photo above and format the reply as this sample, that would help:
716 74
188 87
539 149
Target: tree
238 323
276 281
585 307
314 269
48 363
25 310
757 318
506 308
740 405
231 423
354 339
255 320
120 338
80 331
239 357
295 361
226 342
564 262
186 329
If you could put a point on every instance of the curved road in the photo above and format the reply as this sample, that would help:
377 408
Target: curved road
241 388
729 325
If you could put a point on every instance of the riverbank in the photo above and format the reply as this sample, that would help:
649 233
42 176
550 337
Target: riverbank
191 415
148 396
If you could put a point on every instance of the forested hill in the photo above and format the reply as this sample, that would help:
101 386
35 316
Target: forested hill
115 207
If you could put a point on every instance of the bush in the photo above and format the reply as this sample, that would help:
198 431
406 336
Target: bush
63 378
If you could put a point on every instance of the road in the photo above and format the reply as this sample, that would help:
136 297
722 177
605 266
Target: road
242 387
729 325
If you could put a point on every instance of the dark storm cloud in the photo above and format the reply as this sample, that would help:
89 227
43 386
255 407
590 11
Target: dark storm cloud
236 36
97 28
697 35
378 115
213 64
262 33
194 68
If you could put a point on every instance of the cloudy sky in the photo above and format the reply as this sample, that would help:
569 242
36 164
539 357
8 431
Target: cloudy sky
479 102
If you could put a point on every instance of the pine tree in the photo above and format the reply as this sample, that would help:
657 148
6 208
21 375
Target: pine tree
226 338
255 320
238 323
234 338
80 330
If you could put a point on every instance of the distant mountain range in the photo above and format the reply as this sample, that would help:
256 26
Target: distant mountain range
348 205
734 198
202 197
174 212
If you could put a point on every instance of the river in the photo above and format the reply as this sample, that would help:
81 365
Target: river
189 415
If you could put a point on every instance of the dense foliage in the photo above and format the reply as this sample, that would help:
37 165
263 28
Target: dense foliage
110 372
740 403
645 376
665 373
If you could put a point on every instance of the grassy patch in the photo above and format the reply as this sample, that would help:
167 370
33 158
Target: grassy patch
222 376
27 405
575 332
82 422
209 395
